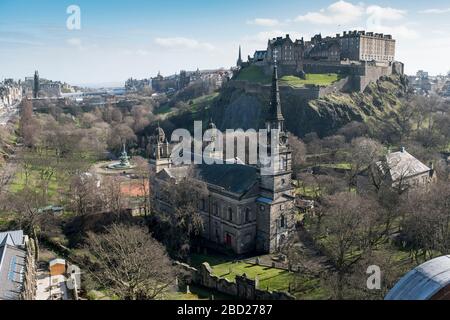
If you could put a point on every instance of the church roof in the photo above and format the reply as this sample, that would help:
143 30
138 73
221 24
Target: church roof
402 164
423 282
234 178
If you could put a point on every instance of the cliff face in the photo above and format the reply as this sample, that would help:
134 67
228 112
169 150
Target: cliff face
242 108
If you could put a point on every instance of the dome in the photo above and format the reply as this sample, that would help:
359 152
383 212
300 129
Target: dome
211 125
429 281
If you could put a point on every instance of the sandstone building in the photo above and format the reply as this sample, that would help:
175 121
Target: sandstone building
248 207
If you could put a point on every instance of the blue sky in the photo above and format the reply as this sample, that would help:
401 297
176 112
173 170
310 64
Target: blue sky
137 38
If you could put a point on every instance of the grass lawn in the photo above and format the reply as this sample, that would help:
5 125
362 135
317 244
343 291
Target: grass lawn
213 259
256 74
271 278
165 108
201 101
311 78
343 165
308 191
253 74
19 182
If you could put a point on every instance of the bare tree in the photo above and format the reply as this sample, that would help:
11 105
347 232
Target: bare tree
183 223
145 175
426 223
363 152
298 153
130 263
348 231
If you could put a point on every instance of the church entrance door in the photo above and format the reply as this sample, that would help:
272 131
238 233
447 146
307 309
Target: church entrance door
228 239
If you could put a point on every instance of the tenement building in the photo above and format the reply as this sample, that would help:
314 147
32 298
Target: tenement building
247 207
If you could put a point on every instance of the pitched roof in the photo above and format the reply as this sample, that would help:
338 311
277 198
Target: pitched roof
423 282
16 237
402 164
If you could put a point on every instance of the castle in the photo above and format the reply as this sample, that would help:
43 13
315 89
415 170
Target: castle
363 56
248 207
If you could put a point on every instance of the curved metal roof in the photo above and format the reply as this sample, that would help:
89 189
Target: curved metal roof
423 282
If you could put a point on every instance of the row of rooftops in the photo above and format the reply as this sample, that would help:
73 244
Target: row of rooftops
346 34
355 33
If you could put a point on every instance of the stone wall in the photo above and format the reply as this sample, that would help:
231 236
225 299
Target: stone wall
242 288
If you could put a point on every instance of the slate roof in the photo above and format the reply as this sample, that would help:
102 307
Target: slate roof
235 178
12 260
402 164
423 282
16 237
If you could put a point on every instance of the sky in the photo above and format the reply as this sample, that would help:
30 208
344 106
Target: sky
138 38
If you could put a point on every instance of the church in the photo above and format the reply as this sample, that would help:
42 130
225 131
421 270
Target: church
247 208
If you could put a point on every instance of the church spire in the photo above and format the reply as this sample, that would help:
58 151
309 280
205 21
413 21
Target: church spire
239 61
275 104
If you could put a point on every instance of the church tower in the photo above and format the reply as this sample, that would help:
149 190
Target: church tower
276 217
159 150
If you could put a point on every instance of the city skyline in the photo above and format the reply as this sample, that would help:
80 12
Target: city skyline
137 39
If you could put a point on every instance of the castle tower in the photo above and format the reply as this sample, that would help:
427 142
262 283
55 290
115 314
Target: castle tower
159 150
275 218
239 60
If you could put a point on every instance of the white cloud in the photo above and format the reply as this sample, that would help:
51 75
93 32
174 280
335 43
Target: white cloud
75 42
385 13
380 19
340 12
264 22
435 11
183 43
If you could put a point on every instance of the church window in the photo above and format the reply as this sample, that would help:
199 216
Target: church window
282 222
203 204
247 215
